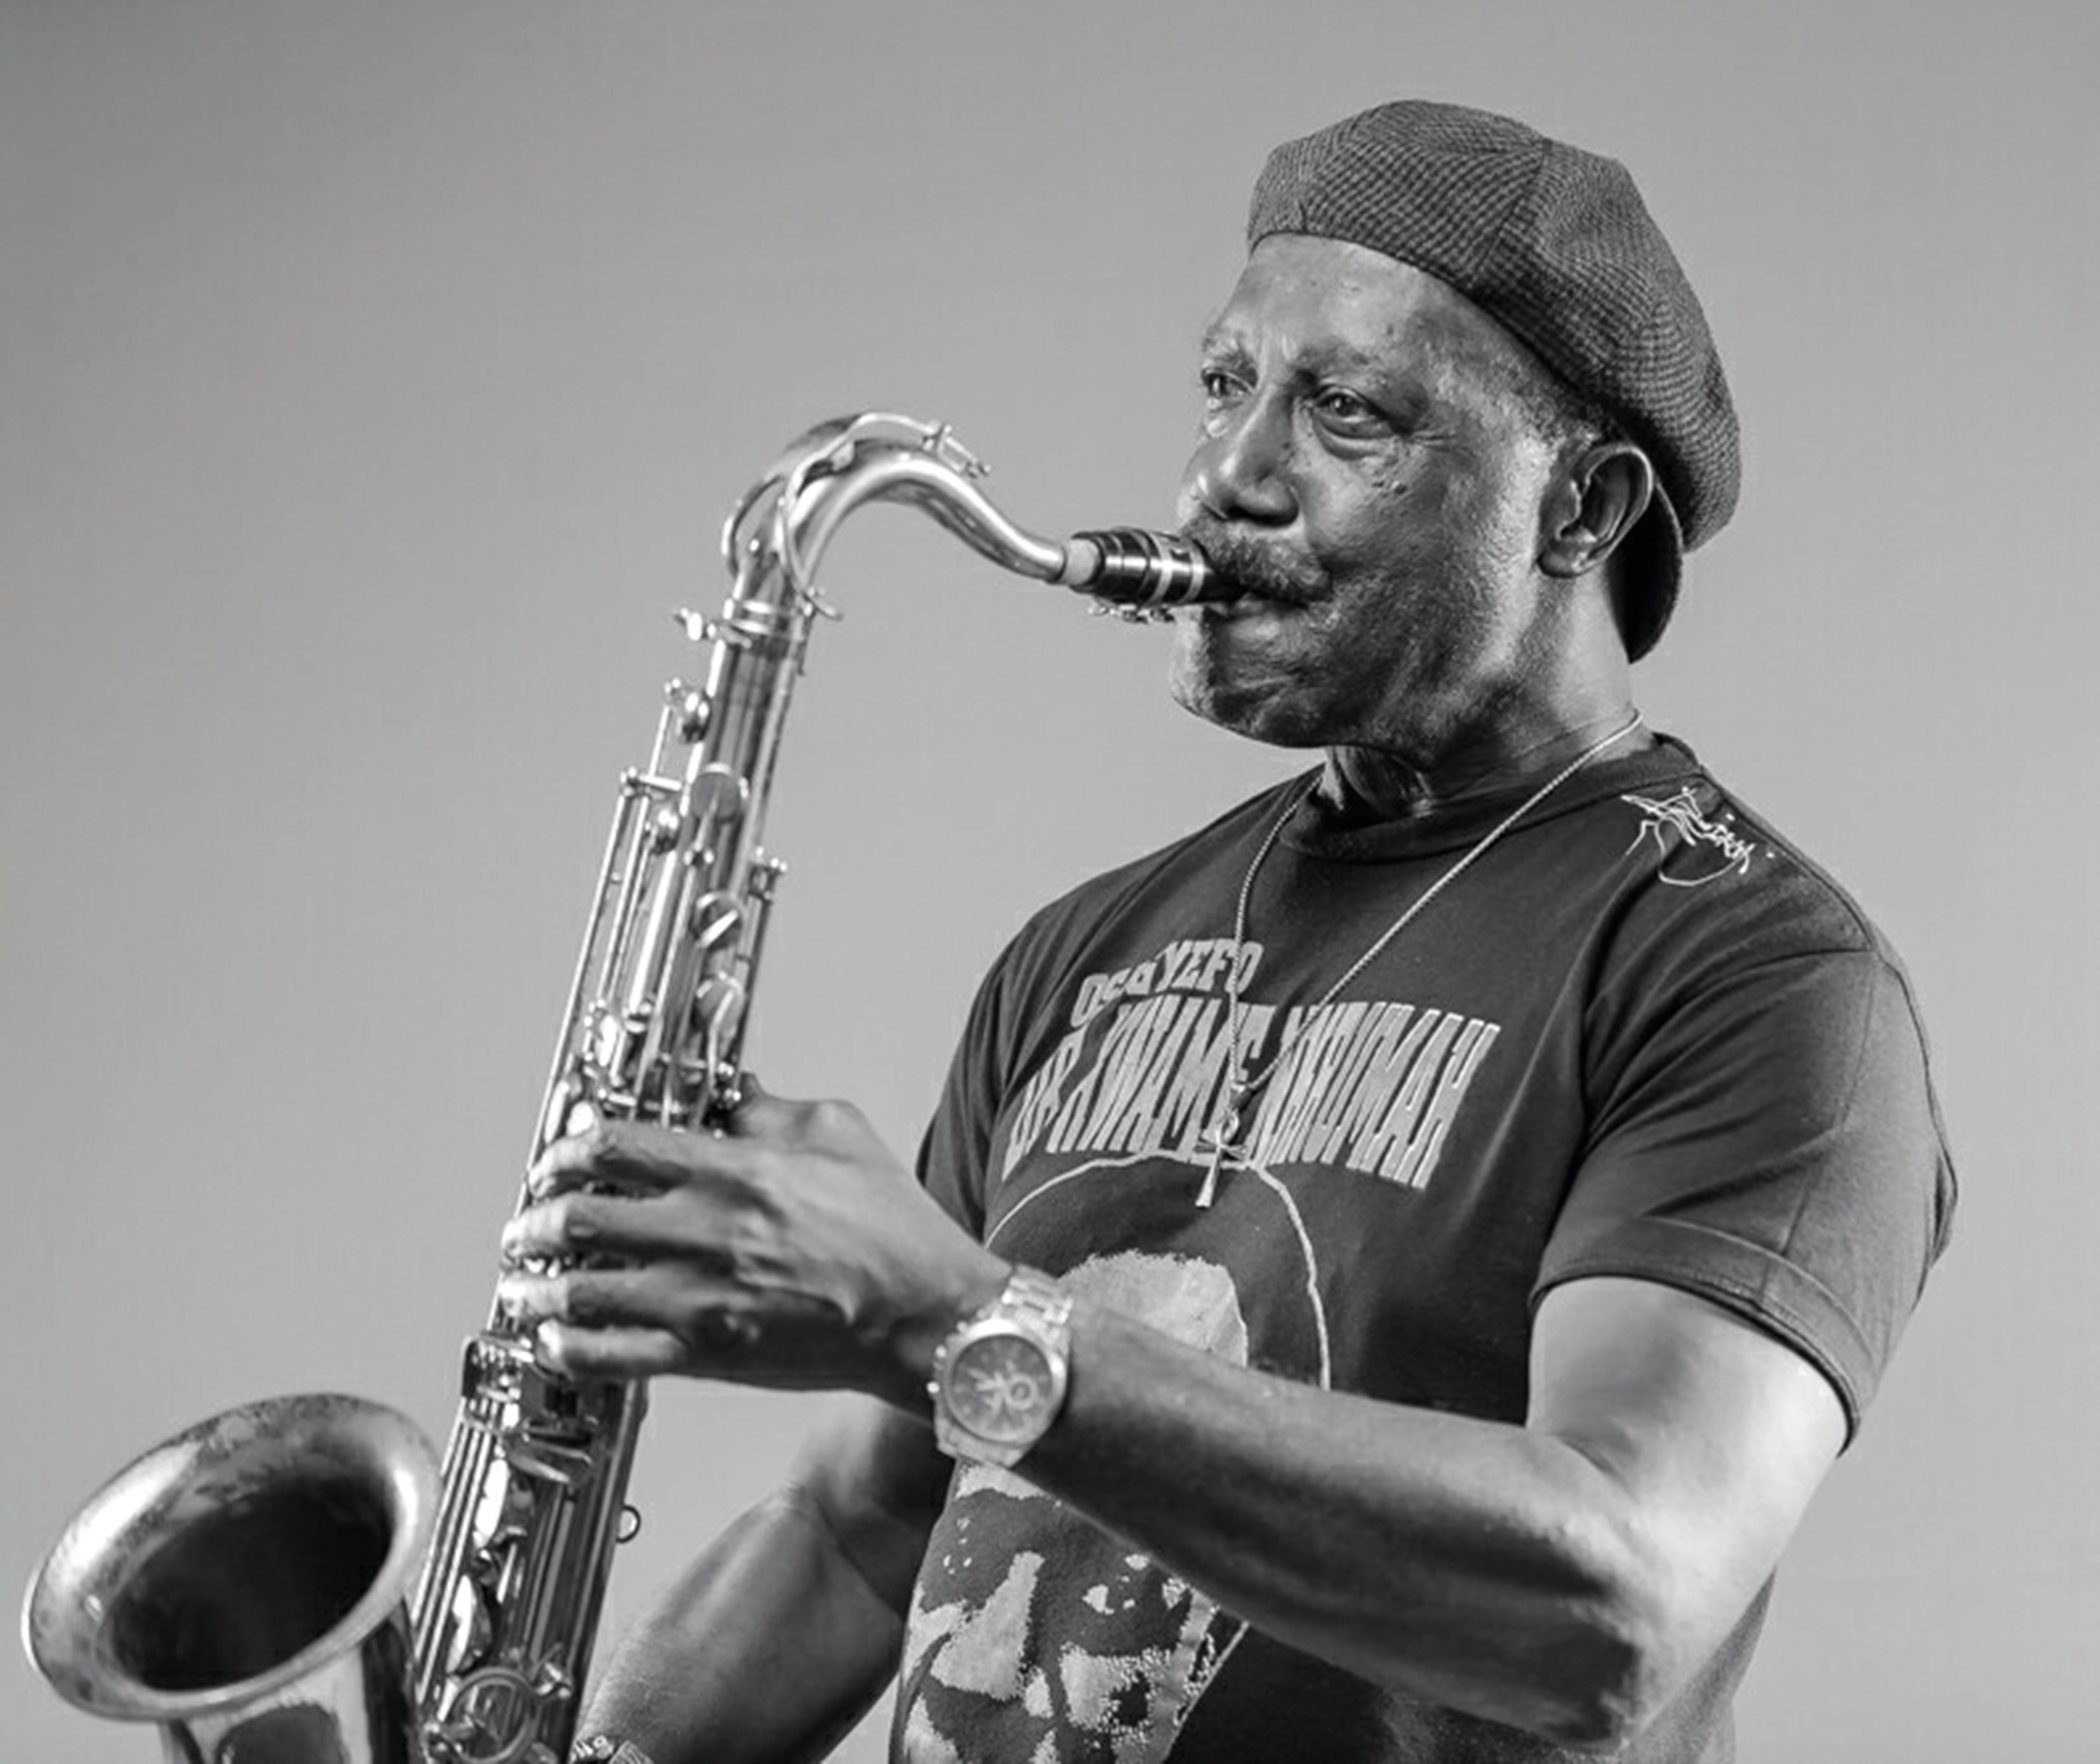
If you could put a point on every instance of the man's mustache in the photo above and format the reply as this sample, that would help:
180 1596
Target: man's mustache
1252 566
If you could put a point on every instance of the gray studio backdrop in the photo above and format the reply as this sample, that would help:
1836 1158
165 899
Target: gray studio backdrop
372 379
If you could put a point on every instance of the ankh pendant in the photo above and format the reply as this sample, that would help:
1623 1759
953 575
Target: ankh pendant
1220 1138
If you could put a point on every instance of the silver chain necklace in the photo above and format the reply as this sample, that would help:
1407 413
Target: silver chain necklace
1243 1085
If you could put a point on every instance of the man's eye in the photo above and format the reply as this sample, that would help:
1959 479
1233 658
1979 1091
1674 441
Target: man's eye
1339 406
1218 384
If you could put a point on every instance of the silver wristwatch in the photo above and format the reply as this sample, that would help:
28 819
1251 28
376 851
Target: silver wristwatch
1000 1379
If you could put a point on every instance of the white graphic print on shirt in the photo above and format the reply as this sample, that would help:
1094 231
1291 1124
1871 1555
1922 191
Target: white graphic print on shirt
1080 1648
1371 1085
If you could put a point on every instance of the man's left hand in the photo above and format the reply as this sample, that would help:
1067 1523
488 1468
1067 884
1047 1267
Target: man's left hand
792 1249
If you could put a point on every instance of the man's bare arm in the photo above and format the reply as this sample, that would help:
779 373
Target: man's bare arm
778 1638
1564 1576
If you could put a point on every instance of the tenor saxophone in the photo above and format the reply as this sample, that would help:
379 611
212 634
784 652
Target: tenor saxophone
294 1579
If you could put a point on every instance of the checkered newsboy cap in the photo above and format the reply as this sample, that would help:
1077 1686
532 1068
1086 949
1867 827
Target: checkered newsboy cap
1555 245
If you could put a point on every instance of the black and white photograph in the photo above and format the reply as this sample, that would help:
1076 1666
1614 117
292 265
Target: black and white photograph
1074 883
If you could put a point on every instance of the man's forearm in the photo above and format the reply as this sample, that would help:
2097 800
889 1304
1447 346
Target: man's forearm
1564 1576
1426 1551
770 1647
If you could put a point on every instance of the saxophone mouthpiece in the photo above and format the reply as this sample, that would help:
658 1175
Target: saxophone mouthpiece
1141 571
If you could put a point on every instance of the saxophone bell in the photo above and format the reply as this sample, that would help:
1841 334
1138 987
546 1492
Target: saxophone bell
244 1585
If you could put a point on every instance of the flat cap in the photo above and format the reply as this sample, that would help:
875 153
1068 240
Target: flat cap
1555 245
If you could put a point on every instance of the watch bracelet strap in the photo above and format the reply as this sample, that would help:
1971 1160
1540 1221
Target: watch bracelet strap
600 1748
1038 1300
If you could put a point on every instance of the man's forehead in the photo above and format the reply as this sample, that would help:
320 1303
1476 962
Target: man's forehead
1334 301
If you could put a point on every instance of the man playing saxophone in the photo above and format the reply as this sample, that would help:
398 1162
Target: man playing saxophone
1389 1269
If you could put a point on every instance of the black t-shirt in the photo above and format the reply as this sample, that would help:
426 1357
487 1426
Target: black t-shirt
1641 1036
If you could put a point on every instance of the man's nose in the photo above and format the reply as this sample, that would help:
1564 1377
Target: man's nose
1241 471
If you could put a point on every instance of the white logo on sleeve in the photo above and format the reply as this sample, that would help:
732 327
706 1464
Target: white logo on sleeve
1690 849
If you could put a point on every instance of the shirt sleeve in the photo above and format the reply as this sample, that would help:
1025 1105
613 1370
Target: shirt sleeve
956 1147
1772 1145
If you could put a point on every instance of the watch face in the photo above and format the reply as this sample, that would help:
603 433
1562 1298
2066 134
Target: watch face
998 1385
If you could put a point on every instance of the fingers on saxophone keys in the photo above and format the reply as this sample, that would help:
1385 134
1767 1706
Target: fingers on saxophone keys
627 1322
588 1297
709 1313
574 1225
615 1353
595 1159
632 1156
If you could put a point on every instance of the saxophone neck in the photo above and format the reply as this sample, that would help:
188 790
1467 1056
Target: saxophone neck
783 525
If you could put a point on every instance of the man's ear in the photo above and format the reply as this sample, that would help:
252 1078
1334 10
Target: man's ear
1599 500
